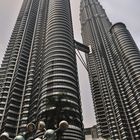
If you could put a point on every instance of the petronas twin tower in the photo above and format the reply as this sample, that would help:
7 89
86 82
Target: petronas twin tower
114 71
38 75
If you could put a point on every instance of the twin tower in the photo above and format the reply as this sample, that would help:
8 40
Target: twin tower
38 75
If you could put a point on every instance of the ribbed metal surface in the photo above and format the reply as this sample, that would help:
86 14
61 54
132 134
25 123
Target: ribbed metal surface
38 77
113 73
29 106
130 58
60 82
17 56
90 16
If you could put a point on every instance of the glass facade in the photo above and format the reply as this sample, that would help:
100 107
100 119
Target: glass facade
38 76
113 65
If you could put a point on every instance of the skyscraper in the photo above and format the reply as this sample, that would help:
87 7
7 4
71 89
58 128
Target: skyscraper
113 64
38 75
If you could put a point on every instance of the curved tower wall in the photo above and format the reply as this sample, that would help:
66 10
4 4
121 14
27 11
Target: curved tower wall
113 71
93 22
38 76
29 105
130 58
59 76
15 65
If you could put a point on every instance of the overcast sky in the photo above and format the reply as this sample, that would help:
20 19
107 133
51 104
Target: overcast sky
126 11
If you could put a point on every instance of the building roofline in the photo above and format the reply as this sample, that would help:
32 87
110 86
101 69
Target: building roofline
116 24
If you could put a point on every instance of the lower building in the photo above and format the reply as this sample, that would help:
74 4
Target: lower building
91 133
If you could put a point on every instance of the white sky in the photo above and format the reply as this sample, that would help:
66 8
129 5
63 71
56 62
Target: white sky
126 11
